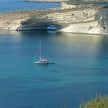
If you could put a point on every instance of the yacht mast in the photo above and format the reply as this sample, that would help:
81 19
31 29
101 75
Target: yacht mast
40 51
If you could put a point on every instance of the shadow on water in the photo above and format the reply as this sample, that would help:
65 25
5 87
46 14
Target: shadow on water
77 45
80 69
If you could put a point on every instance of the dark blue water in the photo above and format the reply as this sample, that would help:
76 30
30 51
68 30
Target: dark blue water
13 5
80 71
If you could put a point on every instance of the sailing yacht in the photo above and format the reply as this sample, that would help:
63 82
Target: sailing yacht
40 59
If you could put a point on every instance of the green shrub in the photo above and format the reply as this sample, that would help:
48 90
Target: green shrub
99 102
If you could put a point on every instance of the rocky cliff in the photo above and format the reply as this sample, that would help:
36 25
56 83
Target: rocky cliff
83 20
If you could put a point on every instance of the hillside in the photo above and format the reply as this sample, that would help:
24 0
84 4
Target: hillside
99 102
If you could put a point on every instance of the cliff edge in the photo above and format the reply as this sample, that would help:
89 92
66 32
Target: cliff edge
65 19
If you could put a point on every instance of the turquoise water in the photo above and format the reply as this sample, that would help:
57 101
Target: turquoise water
80 71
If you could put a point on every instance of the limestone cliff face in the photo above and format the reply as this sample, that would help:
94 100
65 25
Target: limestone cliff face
66 20
96 24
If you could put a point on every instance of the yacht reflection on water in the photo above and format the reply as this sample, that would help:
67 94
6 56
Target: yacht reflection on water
79 67
88 43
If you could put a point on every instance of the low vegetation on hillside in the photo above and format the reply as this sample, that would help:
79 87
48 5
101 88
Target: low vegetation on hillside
99 102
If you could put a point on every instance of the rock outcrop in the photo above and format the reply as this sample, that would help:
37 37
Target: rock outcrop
80 20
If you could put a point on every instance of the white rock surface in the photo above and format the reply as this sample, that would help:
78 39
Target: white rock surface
86 20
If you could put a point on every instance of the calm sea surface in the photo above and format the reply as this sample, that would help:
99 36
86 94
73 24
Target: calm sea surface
12 5
80 71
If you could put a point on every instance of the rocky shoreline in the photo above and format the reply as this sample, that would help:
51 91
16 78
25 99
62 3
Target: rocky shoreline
68 18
